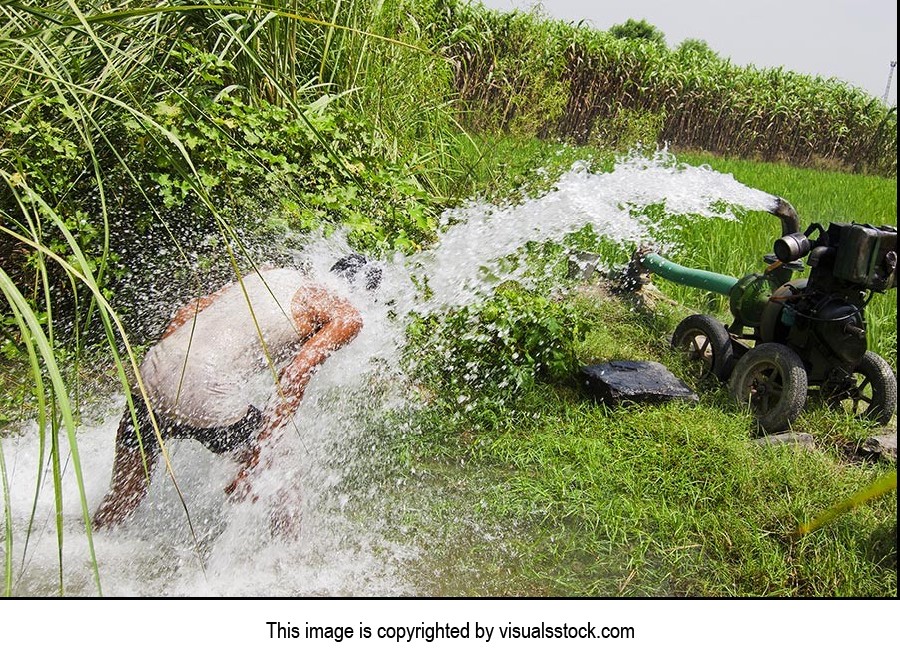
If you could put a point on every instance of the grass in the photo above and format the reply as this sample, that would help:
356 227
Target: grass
573 498
564 497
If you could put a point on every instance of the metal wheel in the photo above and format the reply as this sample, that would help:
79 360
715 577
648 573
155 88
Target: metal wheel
869 392
771 381
705 341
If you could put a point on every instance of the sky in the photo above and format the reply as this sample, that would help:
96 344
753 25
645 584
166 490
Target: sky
853 40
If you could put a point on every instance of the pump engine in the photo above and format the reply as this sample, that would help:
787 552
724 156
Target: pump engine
806 332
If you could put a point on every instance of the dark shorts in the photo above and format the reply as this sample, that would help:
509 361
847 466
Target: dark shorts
219 439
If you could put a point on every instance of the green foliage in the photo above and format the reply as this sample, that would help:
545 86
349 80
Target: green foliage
488 354
690 47
246 153
630 129
510 70
632 29
201 141
383 61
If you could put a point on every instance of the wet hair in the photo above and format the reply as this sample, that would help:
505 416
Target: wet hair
351 265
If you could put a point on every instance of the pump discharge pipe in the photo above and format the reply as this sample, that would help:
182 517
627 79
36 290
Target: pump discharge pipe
693 277
713 281
747 296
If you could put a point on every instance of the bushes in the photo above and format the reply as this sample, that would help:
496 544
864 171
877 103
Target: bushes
488 355
144 145
323 163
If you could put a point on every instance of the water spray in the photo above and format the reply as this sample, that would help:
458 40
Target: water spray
341 552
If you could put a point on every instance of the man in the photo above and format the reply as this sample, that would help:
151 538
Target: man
229 371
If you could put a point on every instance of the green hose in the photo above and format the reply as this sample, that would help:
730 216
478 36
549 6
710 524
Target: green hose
702 279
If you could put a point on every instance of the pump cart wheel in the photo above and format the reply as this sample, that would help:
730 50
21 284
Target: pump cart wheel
704 340
869 392
771 380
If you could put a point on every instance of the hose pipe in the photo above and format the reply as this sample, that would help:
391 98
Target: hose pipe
702 279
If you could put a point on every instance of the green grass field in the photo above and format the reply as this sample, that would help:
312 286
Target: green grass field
672 500
655 501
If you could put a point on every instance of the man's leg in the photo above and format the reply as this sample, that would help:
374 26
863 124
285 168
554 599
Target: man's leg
245 452
132 468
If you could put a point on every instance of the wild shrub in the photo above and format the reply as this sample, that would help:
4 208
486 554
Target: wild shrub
489 354
161 173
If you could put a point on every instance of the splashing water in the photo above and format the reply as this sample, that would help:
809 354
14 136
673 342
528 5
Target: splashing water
611 203
346 545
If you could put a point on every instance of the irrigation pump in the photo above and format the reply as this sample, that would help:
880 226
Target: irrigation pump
790 335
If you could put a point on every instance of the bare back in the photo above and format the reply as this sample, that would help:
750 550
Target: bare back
210 369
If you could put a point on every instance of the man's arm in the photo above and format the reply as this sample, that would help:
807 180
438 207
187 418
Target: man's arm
330 322
333 322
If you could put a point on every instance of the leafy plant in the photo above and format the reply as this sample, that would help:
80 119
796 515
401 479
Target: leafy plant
638 29
490 353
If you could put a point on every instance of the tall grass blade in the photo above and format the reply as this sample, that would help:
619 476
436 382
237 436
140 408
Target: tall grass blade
18 302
